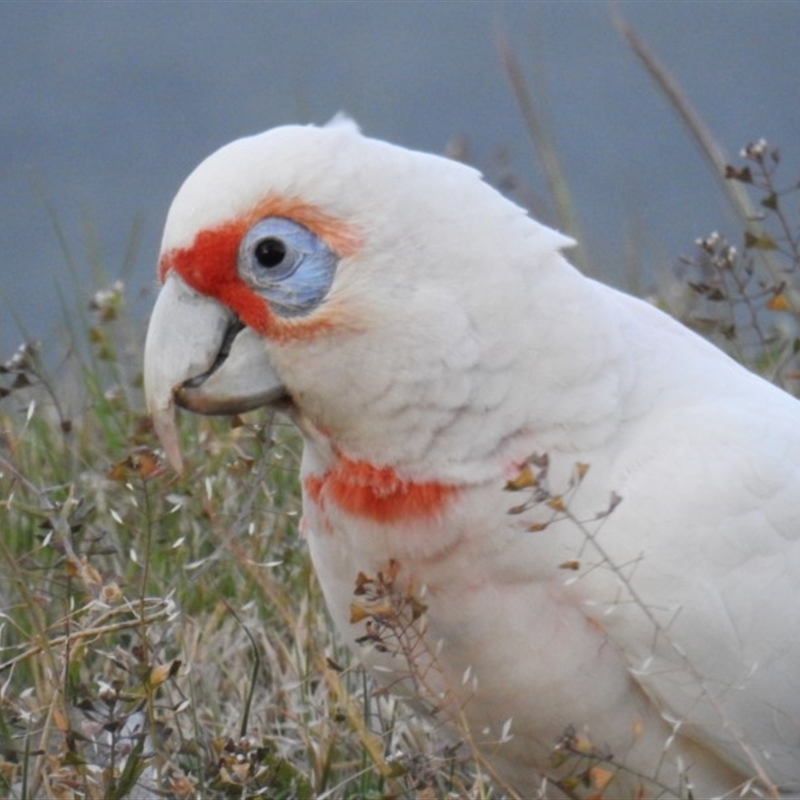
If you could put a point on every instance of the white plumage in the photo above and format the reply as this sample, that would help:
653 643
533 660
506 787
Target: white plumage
431 343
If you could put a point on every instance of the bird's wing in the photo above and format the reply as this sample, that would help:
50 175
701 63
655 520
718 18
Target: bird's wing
698 568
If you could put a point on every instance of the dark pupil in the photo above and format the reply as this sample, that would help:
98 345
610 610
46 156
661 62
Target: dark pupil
270 252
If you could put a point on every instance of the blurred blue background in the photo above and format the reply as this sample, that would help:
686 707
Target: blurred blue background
107 106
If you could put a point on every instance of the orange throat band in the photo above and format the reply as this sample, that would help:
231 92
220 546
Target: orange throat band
376 493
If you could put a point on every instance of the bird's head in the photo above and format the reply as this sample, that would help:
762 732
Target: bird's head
364 288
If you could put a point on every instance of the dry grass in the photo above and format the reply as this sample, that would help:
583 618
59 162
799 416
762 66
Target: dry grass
164 637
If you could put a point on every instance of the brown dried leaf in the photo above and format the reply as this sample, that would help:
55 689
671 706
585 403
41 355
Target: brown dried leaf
770 201
743 175
110 593
362 581
600 777
145 463
163 672
72 566
331 664
383 609
759 241
141 464
418 608
358 613
582 744
90 574
181 786
525 479
119 471
61 721
779 302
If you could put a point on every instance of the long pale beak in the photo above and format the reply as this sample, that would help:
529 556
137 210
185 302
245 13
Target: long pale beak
199 356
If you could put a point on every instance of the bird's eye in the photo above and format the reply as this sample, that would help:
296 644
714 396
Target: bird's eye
289 265
274 258
270 252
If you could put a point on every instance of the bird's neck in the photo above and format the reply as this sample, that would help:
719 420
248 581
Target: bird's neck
557 382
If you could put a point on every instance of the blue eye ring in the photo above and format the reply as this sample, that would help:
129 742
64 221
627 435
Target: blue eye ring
289 265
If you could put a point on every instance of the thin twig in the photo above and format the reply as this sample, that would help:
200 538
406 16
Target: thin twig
711 150
89 633
545 150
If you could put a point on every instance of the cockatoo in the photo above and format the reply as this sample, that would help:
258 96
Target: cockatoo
565 523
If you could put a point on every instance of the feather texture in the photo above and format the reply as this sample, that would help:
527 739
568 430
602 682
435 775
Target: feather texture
643 595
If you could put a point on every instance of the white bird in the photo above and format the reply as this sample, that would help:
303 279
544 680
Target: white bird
632 629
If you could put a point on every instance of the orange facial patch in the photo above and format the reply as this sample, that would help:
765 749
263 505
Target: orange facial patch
209 265
377 493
